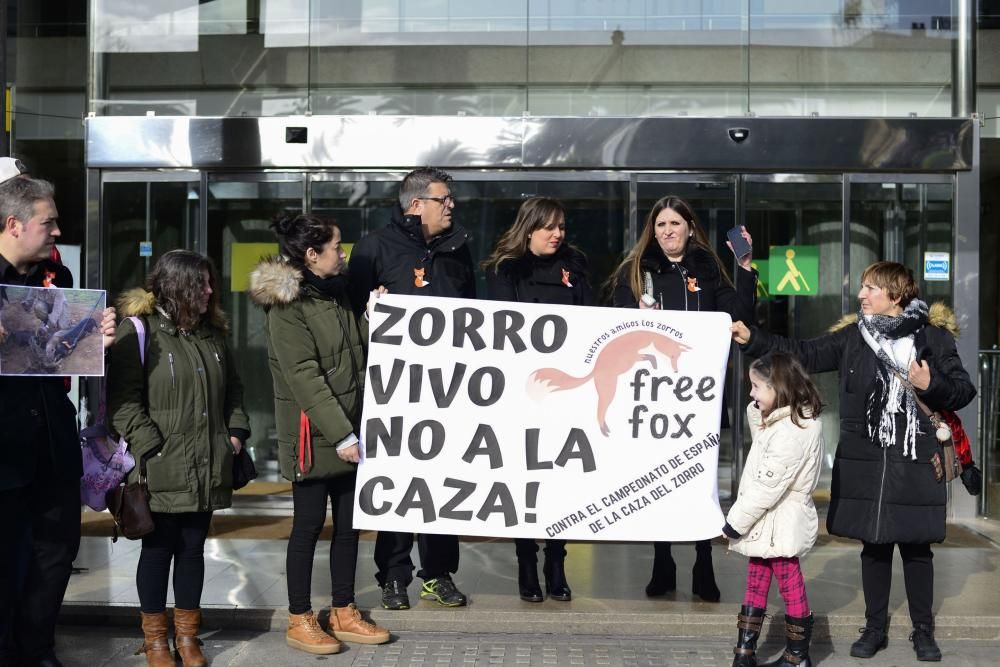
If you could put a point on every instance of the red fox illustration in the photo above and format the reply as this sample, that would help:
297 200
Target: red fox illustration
418 277
617 357
565 278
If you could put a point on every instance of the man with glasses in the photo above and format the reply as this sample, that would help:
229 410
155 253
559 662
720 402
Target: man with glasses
420 252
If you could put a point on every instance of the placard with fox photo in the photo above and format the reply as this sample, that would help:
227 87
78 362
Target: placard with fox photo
51 331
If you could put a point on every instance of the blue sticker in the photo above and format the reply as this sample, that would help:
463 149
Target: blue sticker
145 248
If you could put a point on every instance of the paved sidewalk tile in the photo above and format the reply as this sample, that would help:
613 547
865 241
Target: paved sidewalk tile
99 647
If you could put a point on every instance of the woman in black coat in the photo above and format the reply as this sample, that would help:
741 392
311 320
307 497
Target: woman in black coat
673 267
894 356
533 264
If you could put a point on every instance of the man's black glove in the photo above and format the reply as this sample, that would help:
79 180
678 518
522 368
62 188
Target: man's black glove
972 478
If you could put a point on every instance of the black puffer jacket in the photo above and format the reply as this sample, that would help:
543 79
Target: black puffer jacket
561 278
671 285
877 494
396 255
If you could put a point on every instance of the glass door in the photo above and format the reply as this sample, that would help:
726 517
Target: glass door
144 214
240 209
797 221
906 219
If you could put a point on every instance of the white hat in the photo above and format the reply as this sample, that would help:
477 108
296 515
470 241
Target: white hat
11 167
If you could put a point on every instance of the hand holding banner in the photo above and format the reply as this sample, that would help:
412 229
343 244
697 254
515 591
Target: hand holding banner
524 420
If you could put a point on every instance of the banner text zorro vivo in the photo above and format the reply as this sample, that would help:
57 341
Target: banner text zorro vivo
528 420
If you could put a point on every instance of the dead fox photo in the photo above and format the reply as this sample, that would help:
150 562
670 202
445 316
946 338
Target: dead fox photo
51 331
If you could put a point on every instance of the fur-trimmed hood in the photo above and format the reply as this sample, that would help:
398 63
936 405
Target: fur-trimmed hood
275 282
136 302
939 315
139 302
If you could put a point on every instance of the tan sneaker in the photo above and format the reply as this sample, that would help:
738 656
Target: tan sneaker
305 634
347 625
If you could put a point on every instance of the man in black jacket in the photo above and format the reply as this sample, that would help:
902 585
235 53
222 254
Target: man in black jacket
40 460
420 252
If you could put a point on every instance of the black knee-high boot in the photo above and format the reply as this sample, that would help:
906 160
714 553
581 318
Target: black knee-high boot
554 571
527 581
748 624
664 577
798 634
703 575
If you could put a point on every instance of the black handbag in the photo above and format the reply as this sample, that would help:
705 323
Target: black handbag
129 506
243 469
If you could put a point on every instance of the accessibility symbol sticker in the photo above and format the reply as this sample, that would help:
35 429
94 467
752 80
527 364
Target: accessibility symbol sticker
794 270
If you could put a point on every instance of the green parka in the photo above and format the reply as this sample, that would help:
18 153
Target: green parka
316 349
179 410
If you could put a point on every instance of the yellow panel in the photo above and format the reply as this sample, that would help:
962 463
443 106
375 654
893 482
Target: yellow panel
245 258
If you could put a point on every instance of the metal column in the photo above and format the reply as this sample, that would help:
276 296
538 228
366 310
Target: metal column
963 60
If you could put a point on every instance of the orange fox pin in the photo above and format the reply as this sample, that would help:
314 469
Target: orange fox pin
565 278
418 277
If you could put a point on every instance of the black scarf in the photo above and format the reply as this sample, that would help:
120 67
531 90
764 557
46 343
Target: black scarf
892 392
334 287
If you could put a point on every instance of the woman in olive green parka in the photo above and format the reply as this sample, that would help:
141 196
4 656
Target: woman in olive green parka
181 411
316 351
316 348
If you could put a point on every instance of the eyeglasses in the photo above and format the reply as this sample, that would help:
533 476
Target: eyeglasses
444 201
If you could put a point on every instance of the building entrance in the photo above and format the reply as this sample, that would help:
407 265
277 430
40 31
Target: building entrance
836 223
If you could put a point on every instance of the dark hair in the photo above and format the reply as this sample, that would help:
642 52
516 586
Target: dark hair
296 234
791 384
896 279
19 194
647 237
416 182
535 213
177 281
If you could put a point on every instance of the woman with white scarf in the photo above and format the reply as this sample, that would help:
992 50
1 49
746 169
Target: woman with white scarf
884 492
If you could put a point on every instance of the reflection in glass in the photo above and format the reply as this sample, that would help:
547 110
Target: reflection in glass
899 222
153 26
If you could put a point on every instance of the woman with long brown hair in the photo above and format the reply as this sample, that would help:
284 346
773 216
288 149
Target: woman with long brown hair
673 267
181 411
532 263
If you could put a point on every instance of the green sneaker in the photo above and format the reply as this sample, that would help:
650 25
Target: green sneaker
443 591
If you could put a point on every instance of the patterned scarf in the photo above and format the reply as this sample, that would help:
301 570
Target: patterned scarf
892 393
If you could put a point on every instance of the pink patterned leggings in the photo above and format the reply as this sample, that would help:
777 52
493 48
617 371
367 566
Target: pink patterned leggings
790 583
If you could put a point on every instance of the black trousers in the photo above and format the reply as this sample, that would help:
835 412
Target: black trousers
527 550
41 537
310 502
876 580
179 538
702 548
438 556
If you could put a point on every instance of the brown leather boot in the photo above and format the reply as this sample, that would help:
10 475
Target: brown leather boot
187 622
154 645
305 634
347 625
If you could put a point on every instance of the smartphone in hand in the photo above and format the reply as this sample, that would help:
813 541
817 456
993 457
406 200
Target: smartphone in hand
740 245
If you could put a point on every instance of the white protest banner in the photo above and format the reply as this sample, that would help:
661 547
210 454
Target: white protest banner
532 420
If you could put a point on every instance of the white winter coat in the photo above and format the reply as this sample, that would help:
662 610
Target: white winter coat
774 511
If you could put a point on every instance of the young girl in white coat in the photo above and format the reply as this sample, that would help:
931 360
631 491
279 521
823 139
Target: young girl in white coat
773 520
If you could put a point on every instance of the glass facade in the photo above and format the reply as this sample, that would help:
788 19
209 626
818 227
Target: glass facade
552 57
